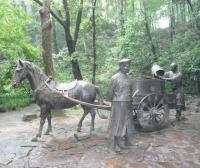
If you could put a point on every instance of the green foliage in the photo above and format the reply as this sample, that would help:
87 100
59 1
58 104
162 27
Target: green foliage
13 36
155 5
9 96
14 45
185 52
63 66
106 51
14 99
135 45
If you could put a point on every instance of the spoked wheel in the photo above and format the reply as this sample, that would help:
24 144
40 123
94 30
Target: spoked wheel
152 112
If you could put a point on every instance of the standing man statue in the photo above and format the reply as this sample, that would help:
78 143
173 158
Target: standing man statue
176 79
121 118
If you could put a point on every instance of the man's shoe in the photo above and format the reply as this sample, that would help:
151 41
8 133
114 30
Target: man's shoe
128 143
123 146
117 149
178 118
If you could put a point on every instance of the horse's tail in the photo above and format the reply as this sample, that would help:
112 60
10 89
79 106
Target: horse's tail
100 102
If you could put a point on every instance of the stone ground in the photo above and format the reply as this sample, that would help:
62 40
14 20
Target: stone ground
173 147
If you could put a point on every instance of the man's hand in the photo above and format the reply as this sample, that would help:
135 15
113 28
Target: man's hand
164 78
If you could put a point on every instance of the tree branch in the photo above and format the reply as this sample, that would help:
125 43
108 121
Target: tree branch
147 26
59 14
78 22
52 13
67 14
67 24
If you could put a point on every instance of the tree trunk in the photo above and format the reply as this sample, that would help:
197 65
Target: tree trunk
116 7
198 86
194 15
74 62
71 43
23 5
183 13
153 48
56 50
76 69
94 41
133 6
172 20
107 10
121 16
46 38
125 9
85 47
177 12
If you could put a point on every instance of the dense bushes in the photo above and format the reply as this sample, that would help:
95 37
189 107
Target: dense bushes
14 45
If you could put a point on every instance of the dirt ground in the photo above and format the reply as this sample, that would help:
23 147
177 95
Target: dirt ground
173 147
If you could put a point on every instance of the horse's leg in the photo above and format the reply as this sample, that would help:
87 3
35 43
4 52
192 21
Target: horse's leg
82 118
49 128
42 121
93 114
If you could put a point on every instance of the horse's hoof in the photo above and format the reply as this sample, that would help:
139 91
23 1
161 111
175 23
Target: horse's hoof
46 133
34 139
76 137
38 135
91 130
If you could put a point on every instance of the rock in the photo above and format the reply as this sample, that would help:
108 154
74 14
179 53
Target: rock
82 136
2 110
29 117
197 109
5 109
198 103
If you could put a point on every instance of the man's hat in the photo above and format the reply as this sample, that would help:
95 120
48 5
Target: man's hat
173 64
125 60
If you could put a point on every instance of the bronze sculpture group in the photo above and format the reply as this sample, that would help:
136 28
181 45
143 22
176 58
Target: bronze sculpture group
48 96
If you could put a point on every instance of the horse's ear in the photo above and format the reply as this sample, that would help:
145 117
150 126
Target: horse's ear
20 63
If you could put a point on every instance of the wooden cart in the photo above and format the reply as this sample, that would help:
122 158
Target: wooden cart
151 104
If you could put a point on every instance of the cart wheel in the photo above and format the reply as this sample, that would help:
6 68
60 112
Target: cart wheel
153 112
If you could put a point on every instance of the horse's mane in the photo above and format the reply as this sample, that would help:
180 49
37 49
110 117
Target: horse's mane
31 65
34 67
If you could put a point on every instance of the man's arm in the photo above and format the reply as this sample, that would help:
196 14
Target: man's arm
166 76
175 77
170 76
111 89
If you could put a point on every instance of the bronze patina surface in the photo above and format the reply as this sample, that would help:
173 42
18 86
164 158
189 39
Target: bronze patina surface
46 94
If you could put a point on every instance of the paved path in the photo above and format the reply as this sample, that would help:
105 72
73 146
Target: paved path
177 146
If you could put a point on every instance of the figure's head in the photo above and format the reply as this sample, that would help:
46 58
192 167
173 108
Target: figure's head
174 67
124 65
19 73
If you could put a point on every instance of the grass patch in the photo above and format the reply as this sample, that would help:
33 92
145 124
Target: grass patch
10 101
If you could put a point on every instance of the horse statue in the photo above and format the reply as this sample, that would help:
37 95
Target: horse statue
48 94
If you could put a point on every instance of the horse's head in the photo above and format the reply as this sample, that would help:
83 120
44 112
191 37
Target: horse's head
20 73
